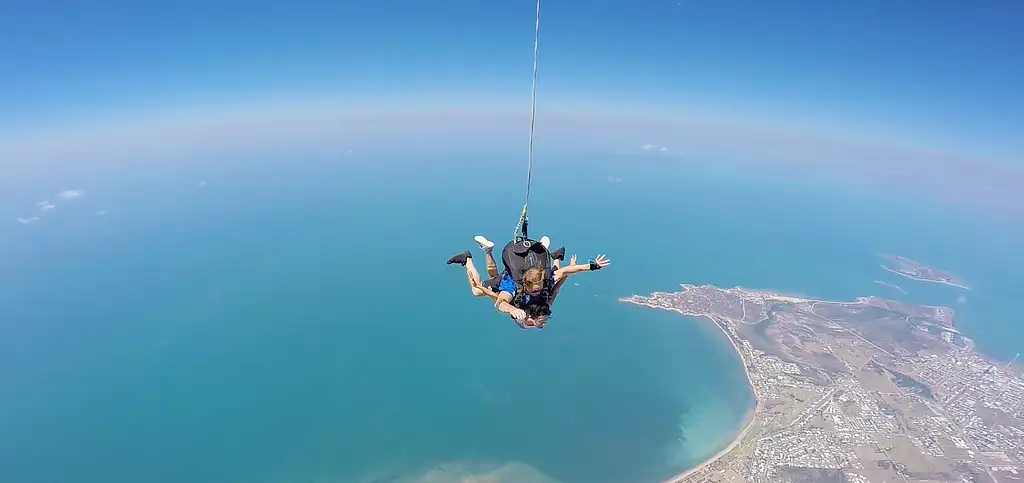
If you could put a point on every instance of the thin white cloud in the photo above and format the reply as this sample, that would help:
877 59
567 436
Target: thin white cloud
45 206
68 195
100 213
614 179
654 147
26 221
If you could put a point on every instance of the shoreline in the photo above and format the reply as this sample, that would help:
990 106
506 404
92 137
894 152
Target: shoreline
750 416
920 279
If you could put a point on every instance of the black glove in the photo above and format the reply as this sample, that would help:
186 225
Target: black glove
594 266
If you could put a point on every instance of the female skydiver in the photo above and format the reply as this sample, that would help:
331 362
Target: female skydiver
531 306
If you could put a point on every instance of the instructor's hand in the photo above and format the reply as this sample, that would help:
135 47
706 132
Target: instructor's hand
518 314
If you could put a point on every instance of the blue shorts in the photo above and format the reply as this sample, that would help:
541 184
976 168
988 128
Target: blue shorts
508 285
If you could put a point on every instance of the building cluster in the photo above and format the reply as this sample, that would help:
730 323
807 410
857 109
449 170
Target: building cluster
825 433
770 377
970 392
805 448
982 399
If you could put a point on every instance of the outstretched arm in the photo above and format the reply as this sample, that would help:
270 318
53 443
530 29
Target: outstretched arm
598 263
503 302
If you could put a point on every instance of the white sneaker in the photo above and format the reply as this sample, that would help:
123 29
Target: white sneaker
545 241
485 244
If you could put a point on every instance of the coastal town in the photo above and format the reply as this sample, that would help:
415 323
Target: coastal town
872 390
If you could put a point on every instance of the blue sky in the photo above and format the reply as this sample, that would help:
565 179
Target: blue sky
942 75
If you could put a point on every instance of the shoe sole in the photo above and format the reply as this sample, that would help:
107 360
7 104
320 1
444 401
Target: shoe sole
483 242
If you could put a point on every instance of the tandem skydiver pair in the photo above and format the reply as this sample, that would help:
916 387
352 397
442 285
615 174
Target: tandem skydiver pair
531 279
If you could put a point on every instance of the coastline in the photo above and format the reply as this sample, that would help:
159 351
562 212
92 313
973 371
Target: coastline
750 417
928 280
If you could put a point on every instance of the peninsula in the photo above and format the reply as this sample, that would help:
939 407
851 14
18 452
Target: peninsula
871 390
915 270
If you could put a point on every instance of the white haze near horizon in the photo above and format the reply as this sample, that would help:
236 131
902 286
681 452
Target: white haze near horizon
337 128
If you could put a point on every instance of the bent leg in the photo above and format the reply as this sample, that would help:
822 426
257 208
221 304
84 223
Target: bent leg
557 255
492 266
472 275
479 289
474 279
488 248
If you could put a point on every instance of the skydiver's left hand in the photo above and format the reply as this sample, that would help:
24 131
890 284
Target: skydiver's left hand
601 261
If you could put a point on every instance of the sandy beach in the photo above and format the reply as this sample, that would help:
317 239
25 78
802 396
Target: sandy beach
724 451
750 417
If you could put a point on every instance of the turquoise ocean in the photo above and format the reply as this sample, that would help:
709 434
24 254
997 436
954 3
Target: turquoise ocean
293 320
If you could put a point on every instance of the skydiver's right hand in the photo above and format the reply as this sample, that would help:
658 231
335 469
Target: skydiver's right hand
518 314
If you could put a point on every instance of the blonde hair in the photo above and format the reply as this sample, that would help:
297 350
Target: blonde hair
533 279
